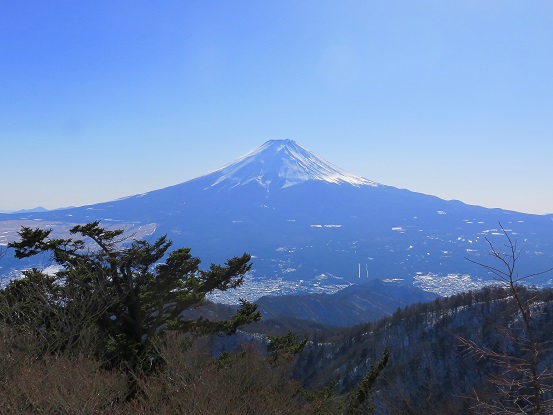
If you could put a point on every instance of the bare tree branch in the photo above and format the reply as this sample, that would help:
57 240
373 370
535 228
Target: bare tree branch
523 385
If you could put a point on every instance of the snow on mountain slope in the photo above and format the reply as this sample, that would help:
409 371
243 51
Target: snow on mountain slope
281 164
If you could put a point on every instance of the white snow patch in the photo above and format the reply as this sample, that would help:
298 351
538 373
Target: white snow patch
392 280
449 284
292 164
52 269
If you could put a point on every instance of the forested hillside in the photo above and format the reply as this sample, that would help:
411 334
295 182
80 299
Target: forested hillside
430 370
436 365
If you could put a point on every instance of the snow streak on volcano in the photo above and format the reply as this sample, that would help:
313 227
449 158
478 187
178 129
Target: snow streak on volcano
281 164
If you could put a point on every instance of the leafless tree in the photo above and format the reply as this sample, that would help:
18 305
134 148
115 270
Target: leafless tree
523 384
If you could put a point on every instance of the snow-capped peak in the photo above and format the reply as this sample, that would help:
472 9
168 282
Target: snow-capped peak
283 163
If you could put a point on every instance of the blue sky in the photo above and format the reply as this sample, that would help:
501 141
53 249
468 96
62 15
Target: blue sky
103 99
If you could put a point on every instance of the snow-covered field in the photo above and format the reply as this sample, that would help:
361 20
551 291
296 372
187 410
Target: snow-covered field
450 284
254 288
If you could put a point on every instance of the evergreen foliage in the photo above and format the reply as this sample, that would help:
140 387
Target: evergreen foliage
118 290
284 348
359 400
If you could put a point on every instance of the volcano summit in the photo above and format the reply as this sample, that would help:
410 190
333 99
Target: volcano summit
281 164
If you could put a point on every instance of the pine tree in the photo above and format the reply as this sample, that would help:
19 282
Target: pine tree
126 293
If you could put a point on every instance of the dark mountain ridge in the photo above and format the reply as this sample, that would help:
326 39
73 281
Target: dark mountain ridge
350 306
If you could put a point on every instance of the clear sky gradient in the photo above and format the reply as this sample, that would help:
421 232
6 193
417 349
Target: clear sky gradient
104 99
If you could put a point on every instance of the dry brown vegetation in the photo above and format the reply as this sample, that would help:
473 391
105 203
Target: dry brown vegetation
192 382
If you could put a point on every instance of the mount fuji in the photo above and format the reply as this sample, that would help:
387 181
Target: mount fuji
312 227
281 164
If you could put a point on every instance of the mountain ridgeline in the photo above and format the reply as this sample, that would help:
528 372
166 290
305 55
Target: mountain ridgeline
347 307
311 227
